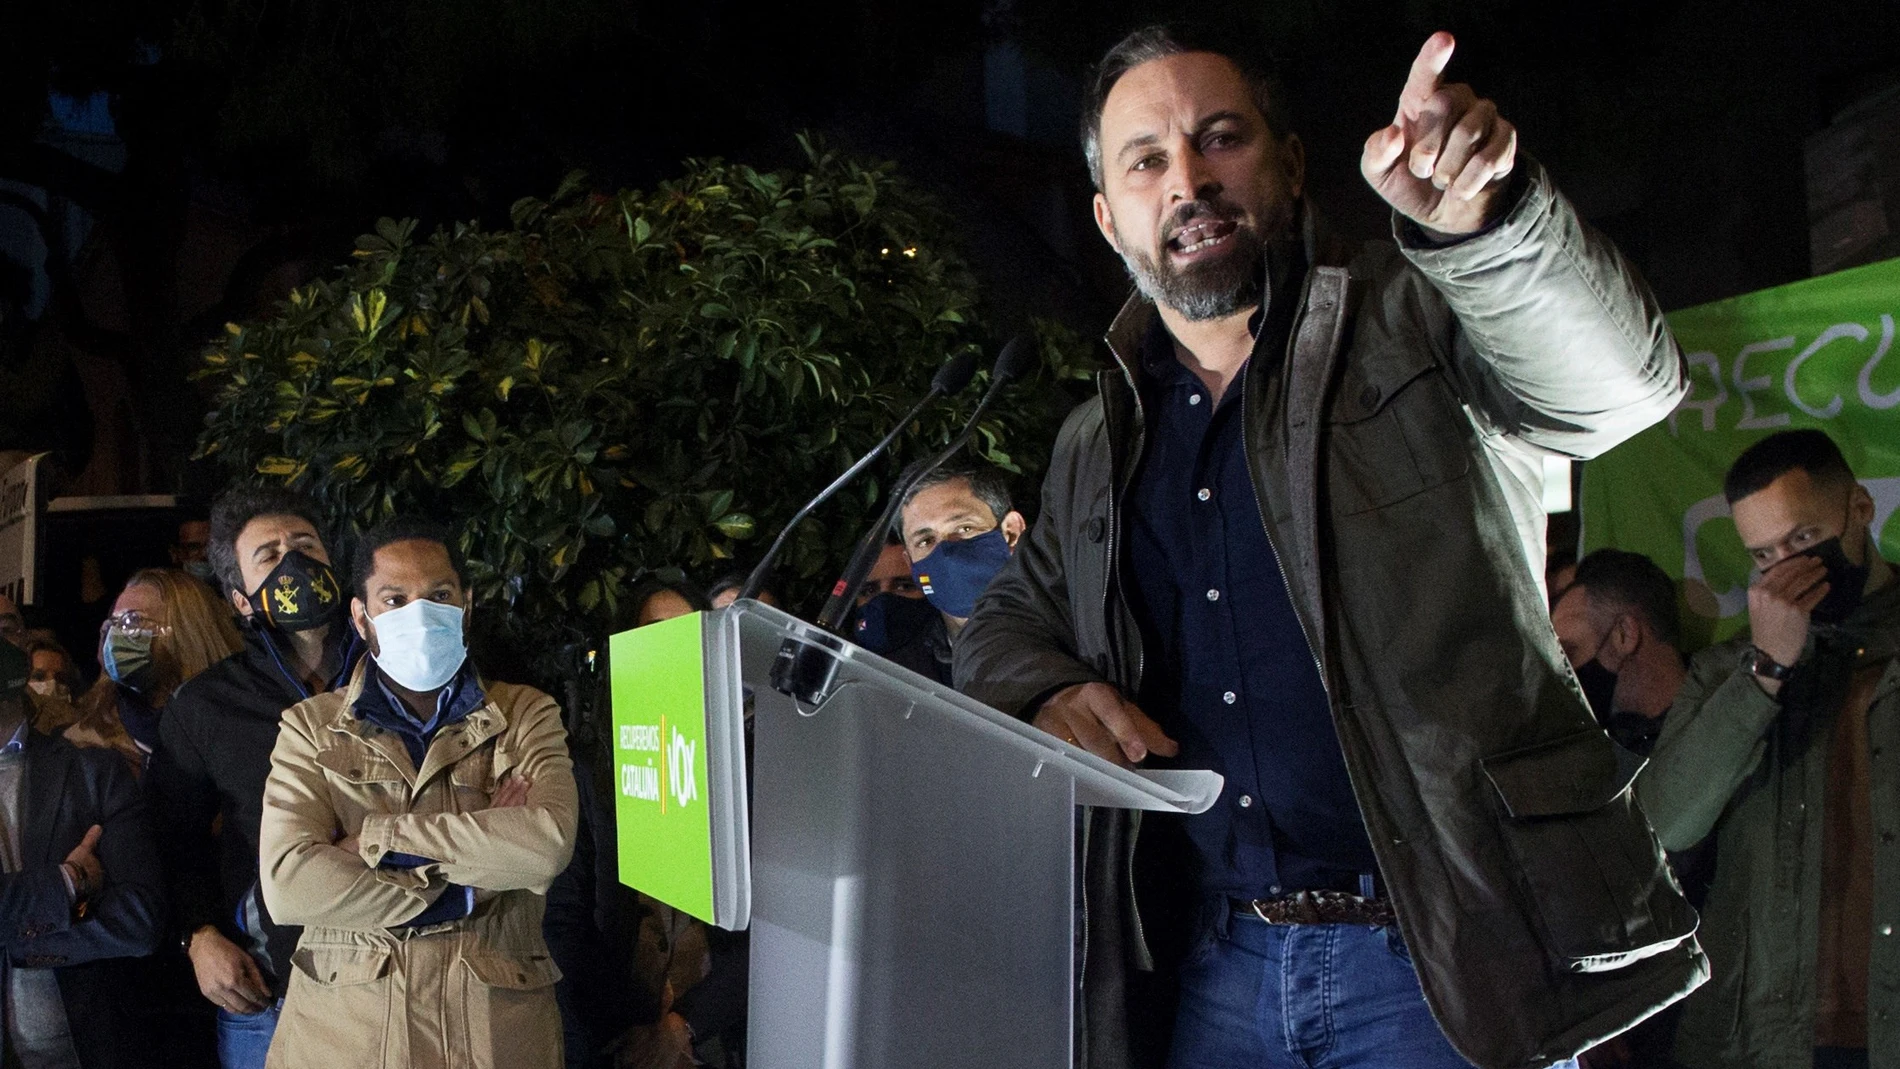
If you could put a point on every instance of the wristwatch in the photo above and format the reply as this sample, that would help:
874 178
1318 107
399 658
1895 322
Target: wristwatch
1759 663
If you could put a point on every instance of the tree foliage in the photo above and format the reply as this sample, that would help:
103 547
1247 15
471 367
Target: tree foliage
628 383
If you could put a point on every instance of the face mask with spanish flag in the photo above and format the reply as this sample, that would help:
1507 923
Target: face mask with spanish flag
957 571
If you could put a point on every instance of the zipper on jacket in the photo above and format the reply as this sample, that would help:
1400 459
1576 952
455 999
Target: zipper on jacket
1114 570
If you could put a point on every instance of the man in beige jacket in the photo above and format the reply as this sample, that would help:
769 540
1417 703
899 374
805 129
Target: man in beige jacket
412 824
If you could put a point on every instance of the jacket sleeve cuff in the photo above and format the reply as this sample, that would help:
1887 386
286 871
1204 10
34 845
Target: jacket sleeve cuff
1745 709
1530 196
378 838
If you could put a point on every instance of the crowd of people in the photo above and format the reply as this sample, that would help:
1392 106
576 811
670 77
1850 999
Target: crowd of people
290 786
1294 541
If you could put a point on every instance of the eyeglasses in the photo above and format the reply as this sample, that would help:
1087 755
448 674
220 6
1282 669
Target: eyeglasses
134 623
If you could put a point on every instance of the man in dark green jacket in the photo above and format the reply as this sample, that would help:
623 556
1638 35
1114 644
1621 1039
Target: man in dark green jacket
1782 743
1422 764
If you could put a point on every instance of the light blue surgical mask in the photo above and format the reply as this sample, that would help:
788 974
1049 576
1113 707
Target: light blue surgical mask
420 645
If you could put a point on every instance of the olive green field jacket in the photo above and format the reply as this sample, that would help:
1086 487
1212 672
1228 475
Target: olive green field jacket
1732 761
1396 450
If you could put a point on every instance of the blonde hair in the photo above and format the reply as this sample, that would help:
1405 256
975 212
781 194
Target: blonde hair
199 633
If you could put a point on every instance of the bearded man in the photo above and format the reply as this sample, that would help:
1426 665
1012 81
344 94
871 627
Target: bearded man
1297 540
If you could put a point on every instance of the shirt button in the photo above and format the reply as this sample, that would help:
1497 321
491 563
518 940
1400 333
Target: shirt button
1230 697
1213 595
1204 493
1194 398
1886 929
1246 801
1274 890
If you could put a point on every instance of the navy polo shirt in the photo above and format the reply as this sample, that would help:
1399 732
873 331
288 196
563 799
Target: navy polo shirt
1228 671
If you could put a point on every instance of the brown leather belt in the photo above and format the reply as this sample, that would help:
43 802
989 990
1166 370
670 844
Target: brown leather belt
1318 907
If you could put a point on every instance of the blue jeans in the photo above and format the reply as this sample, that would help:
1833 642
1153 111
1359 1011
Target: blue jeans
1304 996
244 1038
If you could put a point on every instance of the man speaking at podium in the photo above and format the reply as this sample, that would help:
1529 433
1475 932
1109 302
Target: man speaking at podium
1296 541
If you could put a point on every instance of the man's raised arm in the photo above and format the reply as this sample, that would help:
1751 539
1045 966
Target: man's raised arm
1558 342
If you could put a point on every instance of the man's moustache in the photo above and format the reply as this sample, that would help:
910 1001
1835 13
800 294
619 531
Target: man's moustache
1196 210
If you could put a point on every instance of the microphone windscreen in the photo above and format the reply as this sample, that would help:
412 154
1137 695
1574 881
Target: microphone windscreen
1016 360
955 374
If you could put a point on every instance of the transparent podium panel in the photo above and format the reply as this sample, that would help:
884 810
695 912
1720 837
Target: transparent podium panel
913 856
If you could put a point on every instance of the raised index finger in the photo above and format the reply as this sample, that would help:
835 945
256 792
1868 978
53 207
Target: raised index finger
1427 68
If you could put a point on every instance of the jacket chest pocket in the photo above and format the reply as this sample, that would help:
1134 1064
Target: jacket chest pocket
474 778
362 781
1394 430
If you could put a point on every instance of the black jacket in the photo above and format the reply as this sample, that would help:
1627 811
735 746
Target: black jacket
66 791
214 750
1391 447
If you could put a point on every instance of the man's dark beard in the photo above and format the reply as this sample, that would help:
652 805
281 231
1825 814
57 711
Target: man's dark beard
1203 291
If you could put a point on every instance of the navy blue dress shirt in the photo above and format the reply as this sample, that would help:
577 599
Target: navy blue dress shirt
1228 671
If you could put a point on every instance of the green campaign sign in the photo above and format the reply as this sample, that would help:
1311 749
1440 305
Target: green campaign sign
1811 354
663 820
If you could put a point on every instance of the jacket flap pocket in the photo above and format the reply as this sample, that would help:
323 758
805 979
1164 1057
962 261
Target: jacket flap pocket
340 966
354 765
1578 773
475 770
521 972
1369 385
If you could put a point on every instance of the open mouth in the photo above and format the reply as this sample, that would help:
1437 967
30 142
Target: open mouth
1201 235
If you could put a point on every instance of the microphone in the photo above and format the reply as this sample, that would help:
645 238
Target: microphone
1015 361
951 378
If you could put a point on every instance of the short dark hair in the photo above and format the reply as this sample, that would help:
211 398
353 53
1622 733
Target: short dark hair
736 581
989 485
1174 39
655 584
1620 581
728 581
402 529
235 509
1778 454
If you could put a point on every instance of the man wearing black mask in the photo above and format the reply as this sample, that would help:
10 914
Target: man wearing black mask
1776 745
893 619
214 754
1618 626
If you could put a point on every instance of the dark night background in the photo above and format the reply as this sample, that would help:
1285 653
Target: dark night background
191 161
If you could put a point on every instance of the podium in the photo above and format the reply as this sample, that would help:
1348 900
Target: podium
907 862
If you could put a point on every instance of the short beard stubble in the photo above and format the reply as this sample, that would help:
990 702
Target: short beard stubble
1211 290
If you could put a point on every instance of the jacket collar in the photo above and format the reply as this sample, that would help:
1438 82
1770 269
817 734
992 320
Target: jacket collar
449 745
265 650
1130 327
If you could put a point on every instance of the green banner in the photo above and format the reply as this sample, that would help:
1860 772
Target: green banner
1809 354
662 821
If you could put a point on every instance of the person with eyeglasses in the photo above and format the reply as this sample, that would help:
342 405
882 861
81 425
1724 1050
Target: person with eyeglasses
165 627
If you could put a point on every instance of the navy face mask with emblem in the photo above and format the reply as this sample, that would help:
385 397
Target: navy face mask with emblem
299 594
956 573
892 621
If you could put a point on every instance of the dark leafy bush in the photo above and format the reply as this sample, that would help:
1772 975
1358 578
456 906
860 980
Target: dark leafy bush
626 384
